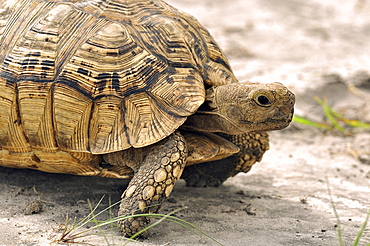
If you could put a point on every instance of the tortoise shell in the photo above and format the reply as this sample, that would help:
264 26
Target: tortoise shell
100 76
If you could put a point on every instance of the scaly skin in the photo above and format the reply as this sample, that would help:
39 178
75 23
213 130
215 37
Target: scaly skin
94 94
152 182
252 147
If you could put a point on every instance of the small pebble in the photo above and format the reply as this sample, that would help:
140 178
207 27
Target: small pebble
34 207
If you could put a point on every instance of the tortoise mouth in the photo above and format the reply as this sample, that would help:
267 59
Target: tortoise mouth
267 125
279 121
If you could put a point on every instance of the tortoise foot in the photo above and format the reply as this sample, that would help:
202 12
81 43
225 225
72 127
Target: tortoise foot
152 183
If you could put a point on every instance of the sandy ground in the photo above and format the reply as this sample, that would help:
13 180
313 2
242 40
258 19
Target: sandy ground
315 48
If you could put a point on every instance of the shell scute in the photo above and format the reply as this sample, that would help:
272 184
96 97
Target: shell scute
106 75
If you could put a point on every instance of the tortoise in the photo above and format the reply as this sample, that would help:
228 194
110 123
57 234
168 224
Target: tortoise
127 89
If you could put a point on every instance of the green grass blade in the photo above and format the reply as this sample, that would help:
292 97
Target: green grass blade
161 217
191 227
328 111
302 120
91 217
355 123
350 122
151 225
359 235
339 228
335 119
95 220
88 217
176 220
76 230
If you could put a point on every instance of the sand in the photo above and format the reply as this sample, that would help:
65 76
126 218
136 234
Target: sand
316 48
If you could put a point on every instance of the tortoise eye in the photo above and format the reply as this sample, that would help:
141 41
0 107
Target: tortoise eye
263 100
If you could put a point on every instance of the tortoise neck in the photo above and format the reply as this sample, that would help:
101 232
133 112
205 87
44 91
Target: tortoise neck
211 122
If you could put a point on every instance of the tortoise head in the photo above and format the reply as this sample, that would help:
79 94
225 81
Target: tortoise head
238 108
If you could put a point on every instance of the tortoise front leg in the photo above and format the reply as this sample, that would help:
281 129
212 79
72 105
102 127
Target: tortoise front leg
152 182
252 147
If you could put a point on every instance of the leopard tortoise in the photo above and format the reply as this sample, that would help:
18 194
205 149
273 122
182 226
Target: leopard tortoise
127 89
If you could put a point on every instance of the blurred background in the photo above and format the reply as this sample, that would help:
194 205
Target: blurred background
314 47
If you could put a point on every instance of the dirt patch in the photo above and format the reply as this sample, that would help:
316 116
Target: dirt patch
315 48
